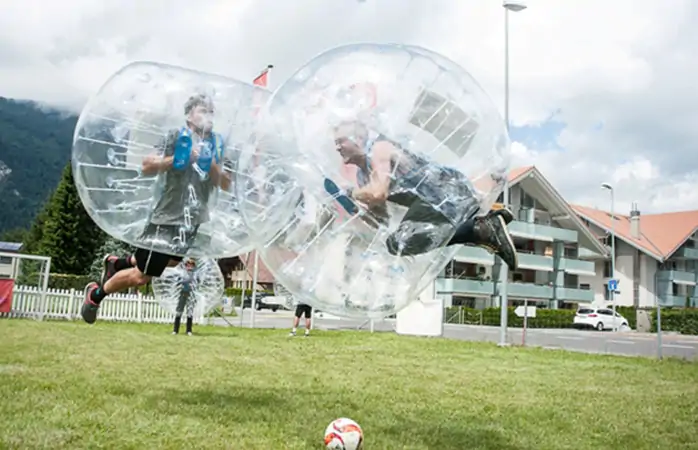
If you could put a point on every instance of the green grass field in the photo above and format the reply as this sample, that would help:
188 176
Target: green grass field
70 385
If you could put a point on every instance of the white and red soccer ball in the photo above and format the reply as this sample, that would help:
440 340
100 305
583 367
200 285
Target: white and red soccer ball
344 434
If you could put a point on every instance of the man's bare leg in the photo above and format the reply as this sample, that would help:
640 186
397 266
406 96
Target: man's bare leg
114 280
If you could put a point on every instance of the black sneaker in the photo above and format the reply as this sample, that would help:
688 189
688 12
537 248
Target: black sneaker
108 268
89 308
493 235
505 213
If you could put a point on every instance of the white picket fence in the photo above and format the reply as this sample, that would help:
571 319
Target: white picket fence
65 304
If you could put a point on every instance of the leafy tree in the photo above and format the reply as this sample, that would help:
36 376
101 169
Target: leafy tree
14 235
69 235
110 246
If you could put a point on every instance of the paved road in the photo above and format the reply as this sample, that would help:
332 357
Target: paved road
629 343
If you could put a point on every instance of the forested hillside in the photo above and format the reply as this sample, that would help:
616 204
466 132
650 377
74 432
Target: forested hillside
34 149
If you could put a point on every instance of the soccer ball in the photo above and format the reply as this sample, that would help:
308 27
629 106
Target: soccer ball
344 434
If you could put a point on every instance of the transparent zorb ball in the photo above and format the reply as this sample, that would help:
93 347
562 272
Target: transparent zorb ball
153 157
193 288
363 165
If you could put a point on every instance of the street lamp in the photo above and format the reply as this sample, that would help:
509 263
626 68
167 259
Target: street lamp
513 6
613 248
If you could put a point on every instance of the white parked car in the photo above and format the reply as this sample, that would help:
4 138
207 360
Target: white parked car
599 318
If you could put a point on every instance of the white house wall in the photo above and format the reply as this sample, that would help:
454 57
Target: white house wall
624 273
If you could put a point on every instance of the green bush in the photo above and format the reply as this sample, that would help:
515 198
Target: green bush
682 320
630 313
236 293
545 318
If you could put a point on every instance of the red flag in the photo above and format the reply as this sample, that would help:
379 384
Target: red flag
263 78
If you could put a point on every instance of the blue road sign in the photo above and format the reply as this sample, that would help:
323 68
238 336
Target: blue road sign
613 285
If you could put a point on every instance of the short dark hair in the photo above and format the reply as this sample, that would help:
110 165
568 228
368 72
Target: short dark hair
198 100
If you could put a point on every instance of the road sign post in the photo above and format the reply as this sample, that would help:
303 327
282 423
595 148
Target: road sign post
525 311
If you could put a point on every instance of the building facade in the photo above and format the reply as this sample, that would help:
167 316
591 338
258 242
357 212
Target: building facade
656 257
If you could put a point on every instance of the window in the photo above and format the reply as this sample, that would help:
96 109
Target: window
585 286
674 289
607 269
526 201
5 260
605 312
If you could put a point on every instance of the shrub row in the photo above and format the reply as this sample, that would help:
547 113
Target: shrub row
682 320
545 318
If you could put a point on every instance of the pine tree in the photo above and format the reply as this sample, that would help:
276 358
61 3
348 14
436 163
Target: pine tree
69 235
32 239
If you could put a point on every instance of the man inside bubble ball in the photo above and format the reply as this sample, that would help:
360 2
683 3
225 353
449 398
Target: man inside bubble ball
386 172
189 165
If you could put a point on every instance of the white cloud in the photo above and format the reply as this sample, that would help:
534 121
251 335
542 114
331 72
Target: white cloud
626 64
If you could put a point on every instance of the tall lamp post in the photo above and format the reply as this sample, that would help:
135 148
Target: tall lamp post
613 249
513 6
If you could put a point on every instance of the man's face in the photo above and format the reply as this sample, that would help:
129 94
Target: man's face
349 142
201 117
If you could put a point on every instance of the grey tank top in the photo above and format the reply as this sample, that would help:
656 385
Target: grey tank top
407 172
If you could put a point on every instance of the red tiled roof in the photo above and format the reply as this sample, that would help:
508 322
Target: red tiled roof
660 234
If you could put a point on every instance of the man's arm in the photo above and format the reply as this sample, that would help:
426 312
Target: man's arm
376 191
219 176
162 160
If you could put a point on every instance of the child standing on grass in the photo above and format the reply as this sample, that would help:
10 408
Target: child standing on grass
186 299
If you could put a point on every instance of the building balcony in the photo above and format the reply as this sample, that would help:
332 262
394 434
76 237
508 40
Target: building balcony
686 253
574 295
537 232
475 288
672 300
677 277
474 255
585 253
578 267
532 261
529 290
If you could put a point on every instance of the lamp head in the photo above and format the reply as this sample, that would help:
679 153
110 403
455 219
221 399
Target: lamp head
514 6
606 186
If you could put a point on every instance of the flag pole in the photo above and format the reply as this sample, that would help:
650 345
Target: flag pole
255 275
261 80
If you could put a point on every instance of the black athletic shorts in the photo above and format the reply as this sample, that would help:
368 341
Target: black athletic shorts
154 263
303 309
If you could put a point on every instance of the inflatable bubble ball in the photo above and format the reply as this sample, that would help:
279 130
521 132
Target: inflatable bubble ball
192 288
363 165
154 155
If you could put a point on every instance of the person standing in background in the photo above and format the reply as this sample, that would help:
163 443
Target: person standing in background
302 309
186 299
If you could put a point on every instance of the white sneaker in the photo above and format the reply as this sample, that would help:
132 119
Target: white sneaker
292 334
174 333
188 333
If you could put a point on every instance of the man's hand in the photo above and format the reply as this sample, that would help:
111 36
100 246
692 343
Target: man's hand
194 154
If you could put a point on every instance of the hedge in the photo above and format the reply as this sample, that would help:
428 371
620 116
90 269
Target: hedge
57 281
545 318
682 320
